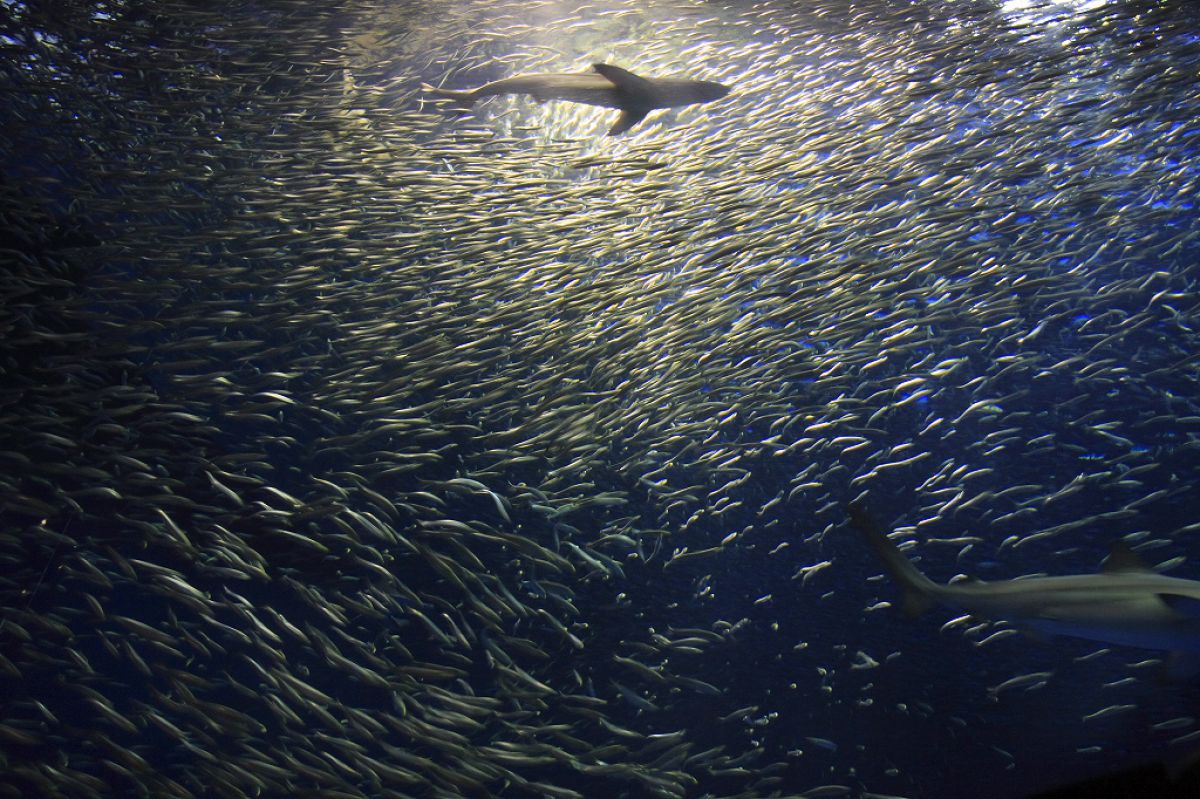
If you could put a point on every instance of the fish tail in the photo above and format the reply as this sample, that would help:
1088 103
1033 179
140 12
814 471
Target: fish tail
918 590
465 98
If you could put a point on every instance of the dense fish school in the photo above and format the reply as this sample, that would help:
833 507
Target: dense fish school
352 447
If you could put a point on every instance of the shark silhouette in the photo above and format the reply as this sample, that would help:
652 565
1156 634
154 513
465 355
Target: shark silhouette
607 86
1125 603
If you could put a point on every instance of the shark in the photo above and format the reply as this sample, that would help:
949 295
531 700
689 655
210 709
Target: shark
606 85
1125 603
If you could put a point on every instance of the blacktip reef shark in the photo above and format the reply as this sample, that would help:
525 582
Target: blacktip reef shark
606 86
1125 603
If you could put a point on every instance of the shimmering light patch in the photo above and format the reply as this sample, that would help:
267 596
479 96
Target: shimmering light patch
1047 12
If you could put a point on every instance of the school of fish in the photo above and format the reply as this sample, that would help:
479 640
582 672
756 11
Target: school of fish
354 446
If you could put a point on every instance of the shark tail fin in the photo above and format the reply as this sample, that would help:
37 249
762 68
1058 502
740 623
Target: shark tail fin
918 590
465 98
916 602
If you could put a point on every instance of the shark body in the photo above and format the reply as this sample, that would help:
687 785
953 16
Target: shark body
607 86
1125 603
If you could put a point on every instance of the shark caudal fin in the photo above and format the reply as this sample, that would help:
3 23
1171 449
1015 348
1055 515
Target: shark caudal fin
918 589
465 98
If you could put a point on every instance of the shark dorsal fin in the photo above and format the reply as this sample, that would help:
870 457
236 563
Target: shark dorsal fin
1182 604
1123 559
624 79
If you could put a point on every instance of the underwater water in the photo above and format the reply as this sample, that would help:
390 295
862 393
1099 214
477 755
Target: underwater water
355 444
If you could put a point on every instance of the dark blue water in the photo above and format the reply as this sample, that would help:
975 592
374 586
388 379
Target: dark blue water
264 305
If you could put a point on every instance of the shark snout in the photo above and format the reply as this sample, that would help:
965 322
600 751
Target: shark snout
707 91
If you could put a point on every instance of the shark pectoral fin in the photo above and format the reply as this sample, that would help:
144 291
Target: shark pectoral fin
627 120
1182 604
1181 666
1123 559
1041 636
